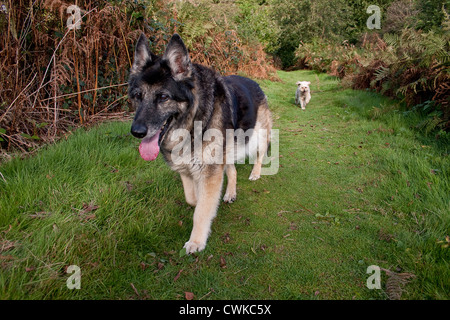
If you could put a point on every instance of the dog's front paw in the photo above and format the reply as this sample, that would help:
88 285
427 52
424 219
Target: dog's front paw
194 246
254 177
229 198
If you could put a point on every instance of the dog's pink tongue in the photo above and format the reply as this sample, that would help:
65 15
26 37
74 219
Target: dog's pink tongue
149 148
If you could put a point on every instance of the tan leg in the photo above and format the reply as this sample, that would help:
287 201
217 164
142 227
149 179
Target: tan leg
189 189
256 171
209 188
263 128
230 193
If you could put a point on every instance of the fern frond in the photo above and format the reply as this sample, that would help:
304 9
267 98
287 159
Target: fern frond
413 86
395 283
391 39
381 73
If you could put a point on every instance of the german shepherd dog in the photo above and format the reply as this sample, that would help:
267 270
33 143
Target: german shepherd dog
170 93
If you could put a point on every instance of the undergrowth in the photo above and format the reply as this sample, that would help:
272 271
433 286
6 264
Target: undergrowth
55 78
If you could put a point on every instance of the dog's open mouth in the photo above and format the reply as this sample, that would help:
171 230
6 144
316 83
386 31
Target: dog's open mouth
149 147
165 127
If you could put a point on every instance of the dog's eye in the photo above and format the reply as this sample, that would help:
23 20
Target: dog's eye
163 97
138 95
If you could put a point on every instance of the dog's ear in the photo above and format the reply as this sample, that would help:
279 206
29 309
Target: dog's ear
177 57
298 83
142 55
308 82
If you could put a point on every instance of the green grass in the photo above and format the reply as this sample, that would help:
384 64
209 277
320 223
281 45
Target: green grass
355 188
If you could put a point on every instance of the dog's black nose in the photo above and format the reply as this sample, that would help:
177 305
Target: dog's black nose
138 130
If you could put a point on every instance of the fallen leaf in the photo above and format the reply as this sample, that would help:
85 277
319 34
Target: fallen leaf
143 266
88 208
89 217
223 263
7 245
182 252
178 275
189 295
226 238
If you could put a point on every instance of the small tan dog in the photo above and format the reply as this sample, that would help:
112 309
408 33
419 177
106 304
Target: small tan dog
303 93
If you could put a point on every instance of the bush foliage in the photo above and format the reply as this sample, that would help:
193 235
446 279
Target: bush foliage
408 58
412 65
54 78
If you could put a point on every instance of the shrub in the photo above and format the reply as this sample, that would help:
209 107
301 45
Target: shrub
54 79
412 66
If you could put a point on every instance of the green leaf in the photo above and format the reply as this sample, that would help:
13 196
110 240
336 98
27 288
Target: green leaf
182 252
25 135
2 131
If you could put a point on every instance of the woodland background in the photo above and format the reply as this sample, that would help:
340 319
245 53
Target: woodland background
54 79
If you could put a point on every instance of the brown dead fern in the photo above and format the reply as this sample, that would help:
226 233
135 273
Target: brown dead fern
396 282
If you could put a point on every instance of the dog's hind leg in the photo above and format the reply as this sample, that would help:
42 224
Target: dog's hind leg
262 133
209 187
256 171
230 193
189 189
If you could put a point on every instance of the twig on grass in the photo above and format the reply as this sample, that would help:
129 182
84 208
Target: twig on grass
135 290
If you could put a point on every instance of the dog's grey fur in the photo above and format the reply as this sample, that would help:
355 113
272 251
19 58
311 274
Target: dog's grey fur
171 92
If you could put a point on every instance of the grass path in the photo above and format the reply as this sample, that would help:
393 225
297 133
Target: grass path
353 190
